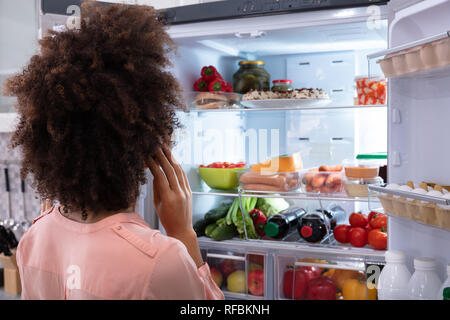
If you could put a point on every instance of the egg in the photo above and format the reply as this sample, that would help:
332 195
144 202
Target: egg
433 193
392 186
418 191
403 188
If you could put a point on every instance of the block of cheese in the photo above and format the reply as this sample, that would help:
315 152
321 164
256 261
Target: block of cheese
284 163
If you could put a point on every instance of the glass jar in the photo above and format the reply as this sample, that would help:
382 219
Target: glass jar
282 85
251 76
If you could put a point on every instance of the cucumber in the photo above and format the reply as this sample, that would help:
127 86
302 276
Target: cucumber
224 232
210 228
217 213
199 227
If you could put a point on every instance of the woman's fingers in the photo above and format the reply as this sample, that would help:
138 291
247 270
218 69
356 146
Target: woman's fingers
160 183
181 176
168 169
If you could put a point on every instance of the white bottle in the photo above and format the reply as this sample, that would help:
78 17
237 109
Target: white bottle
424 283
440 295
394 278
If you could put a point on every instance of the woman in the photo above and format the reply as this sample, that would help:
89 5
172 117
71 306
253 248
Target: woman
97 107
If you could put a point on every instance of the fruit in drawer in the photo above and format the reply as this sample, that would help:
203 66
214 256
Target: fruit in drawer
256 282
354 289
294 284
341 233
377 239
254 266
378 221
311 272
358 219
217 276
236 281
358 237
340 276
228 266
321 288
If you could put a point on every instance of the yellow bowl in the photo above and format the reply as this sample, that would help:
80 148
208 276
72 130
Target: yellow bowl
220 178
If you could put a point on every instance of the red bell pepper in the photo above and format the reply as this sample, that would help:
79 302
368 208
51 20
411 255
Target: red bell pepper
200 85
217 85
259 221
210 73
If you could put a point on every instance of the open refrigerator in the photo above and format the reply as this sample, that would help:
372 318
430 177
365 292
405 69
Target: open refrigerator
316 44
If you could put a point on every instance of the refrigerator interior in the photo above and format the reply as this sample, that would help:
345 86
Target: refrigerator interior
418 130
321 56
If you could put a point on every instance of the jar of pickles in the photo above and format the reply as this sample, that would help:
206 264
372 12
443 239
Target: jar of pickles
282 85
251 76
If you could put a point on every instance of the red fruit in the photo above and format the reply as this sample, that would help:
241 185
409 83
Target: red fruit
321 288
217 85
217 276
200 85
256 282
311 272
378 221
341 233
378 239
210 73
294 284
371 214
357 219
228 266
358 237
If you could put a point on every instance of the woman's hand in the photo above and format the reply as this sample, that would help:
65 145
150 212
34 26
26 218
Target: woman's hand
172 198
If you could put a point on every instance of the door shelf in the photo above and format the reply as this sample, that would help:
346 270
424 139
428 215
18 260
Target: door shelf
298 195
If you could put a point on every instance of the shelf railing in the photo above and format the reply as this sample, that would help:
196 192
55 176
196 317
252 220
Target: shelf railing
409 45
241 109
409 195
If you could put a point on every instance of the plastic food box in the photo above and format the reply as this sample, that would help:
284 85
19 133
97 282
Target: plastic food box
358 187
270 181
371 91
323 181
213 100
419 58
220 178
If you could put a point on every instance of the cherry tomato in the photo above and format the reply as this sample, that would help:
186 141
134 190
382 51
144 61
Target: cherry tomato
378 221
358 219
378 239
358 237
341 233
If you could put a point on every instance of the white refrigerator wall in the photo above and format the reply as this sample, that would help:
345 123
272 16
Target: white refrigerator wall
419 114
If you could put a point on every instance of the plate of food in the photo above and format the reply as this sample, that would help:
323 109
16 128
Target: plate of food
291 99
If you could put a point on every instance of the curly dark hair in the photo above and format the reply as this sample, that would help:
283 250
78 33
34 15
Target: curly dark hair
94 105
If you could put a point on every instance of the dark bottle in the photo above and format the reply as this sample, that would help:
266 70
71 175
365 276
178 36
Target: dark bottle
282 224
313 227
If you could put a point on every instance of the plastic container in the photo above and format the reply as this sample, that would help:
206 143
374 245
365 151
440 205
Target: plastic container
443 214
323 181
413 60
394 278
429 56
270 181
442 48
284 223
220 178
358 187
251 76
387 66
313 226
213 100
424 283
399 63
283 85
446 285
371 91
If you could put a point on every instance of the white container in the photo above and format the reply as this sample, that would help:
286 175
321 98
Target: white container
394 279
424 283
446 284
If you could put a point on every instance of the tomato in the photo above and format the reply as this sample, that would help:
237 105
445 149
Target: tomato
358 237
358 219
225 164
378 239
321 288
341 233
294 284
379 221
371 214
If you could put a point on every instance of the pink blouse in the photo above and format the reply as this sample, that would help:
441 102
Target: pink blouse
119 257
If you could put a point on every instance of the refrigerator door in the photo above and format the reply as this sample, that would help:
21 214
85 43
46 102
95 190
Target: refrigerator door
418 126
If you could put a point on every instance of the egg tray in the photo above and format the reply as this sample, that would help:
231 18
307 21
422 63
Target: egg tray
423 57
428 213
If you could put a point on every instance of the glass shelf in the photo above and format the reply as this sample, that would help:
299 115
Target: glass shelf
242 109
299 195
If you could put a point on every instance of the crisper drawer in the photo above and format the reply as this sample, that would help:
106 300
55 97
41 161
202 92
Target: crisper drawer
239 274
312 276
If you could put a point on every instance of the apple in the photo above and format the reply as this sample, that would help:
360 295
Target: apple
217 276
256 282
254 266
236 281
228 266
